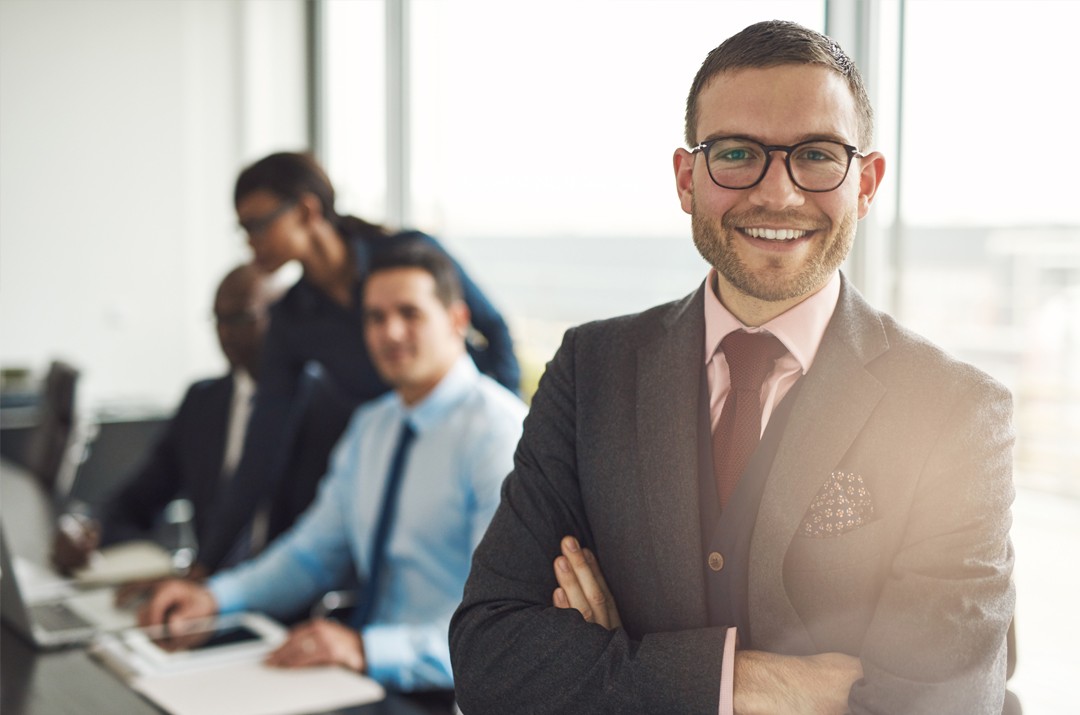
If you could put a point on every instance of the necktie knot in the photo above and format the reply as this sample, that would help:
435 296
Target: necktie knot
750 357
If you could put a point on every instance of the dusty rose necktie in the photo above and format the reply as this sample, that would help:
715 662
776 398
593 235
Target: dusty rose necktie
750 358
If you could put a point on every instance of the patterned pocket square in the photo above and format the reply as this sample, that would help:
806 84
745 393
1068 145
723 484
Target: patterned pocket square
843 503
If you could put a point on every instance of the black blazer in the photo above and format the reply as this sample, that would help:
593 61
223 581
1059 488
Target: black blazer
186 462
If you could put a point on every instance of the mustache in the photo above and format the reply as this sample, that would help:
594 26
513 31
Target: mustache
758 217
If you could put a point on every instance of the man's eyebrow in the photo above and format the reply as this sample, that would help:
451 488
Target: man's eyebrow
814 136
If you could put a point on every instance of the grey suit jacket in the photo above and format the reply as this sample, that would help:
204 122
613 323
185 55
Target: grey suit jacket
921 592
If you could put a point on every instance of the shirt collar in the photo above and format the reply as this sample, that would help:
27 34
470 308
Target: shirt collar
451 390
800 328
243 382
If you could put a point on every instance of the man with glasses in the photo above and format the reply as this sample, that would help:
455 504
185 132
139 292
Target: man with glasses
199 448
767 496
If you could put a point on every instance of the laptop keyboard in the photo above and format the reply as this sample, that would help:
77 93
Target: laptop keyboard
57 617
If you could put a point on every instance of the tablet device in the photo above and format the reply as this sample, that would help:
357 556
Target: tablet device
204 642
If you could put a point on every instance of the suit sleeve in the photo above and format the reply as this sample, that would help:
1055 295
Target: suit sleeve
936 642
512 651
306 561
131 512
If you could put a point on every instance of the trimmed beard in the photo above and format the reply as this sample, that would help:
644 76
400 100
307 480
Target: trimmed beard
714 245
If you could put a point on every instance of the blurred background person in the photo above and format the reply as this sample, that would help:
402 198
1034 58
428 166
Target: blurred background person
200 446
286 205
410 491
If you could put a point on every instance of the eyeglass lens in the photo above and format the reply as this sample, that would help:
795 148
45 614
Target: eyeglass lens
257 225
736 163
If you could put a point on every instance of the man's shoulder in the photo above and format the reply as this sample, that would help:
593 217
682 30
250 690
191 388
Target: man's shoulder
642 325
915 358
377 409
490 397
209 387
897 355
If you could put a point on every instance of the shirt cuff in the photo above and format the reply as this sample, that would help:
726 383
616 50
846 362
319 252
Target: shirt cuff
727 675
227 593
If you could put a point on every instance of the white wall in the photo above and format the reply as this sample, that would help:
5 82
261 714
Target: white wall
122 126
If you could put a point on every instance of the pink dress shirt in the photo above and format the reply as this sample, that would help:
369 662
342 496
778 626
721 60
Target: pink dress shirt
800 329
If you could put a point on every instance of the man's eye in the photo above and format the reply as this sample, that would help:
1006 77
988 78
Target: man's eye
733 154
816 153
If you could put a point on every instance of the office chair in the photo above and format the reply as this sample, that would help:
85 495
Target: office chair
54 448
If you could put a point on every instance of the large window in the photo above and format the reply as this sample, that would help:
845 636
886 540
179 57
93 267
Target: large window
540 137
988 237
541 142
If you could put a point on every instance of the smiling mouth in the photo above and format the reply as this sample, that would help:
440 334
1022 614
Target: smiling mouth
775 234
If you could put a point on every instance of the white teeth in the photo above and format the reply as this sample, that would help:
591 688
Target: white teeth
772 234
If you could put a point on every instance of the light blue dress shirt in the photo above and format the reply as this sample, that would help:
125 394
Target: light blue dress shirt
466 433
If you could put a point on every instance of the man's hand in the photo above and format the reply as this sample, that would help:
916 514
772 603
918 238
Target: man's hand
582 586
793 685
76 537
320 642
177 599
134 593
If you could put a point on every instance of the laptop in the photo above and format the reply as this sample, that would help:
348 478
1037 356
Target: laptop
55 614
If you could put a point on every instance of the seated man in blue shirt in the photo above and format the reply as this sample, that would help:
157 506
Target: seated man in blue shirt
449 474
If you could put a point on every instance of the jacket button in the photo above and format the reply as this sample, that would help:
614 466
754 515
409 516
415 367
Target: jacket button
716 561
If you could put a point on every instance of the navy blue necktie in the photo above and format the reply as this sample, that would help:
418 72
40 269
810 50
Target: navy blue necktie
387 512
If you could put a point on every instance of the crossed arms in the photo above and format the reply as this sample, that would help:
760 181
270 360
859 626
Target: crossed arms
934 640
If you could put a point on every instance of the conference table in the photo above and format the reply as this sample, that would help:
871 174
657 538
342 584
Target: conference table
70 681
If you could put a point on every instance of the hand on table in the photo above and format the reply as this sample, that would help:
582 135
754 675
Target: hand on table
177 599
77 537
320 642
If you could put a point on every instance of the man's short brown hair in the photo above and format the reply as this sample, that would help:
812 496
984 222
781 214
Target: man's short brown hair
779 42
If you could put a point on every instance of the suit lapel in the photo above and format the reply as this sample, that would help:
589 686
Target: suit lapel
218 415
836 399
668 386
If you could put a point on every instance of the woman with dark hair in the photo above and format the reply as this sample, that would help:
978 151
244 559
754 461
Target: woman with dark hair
285 204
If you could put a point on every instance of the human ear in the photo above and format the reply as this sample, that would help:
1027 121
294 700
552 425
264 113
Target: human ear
459 317
871 171
683 162
311 208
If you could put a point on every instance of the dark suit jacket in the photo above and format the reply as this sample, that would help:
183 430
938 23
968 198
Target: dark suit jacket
186 462
921 593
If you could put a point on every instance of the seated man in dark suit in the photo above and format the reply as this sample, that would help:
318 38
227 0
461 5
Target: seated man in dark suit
201 444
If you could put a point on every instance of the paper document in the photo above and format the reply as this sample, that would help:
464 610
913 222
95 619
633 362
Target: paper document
215 665
127 561
257 689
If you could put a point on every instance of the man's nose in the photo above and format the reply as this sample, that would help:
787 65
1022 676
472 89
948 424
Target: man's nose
394 328
776 190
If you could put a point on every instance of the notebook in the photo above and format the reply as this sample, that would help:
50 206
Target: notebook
50 612
218 669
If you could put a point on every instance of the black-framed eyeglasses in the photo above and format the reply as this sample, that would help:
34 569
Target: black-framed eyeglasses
817 165
255 226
